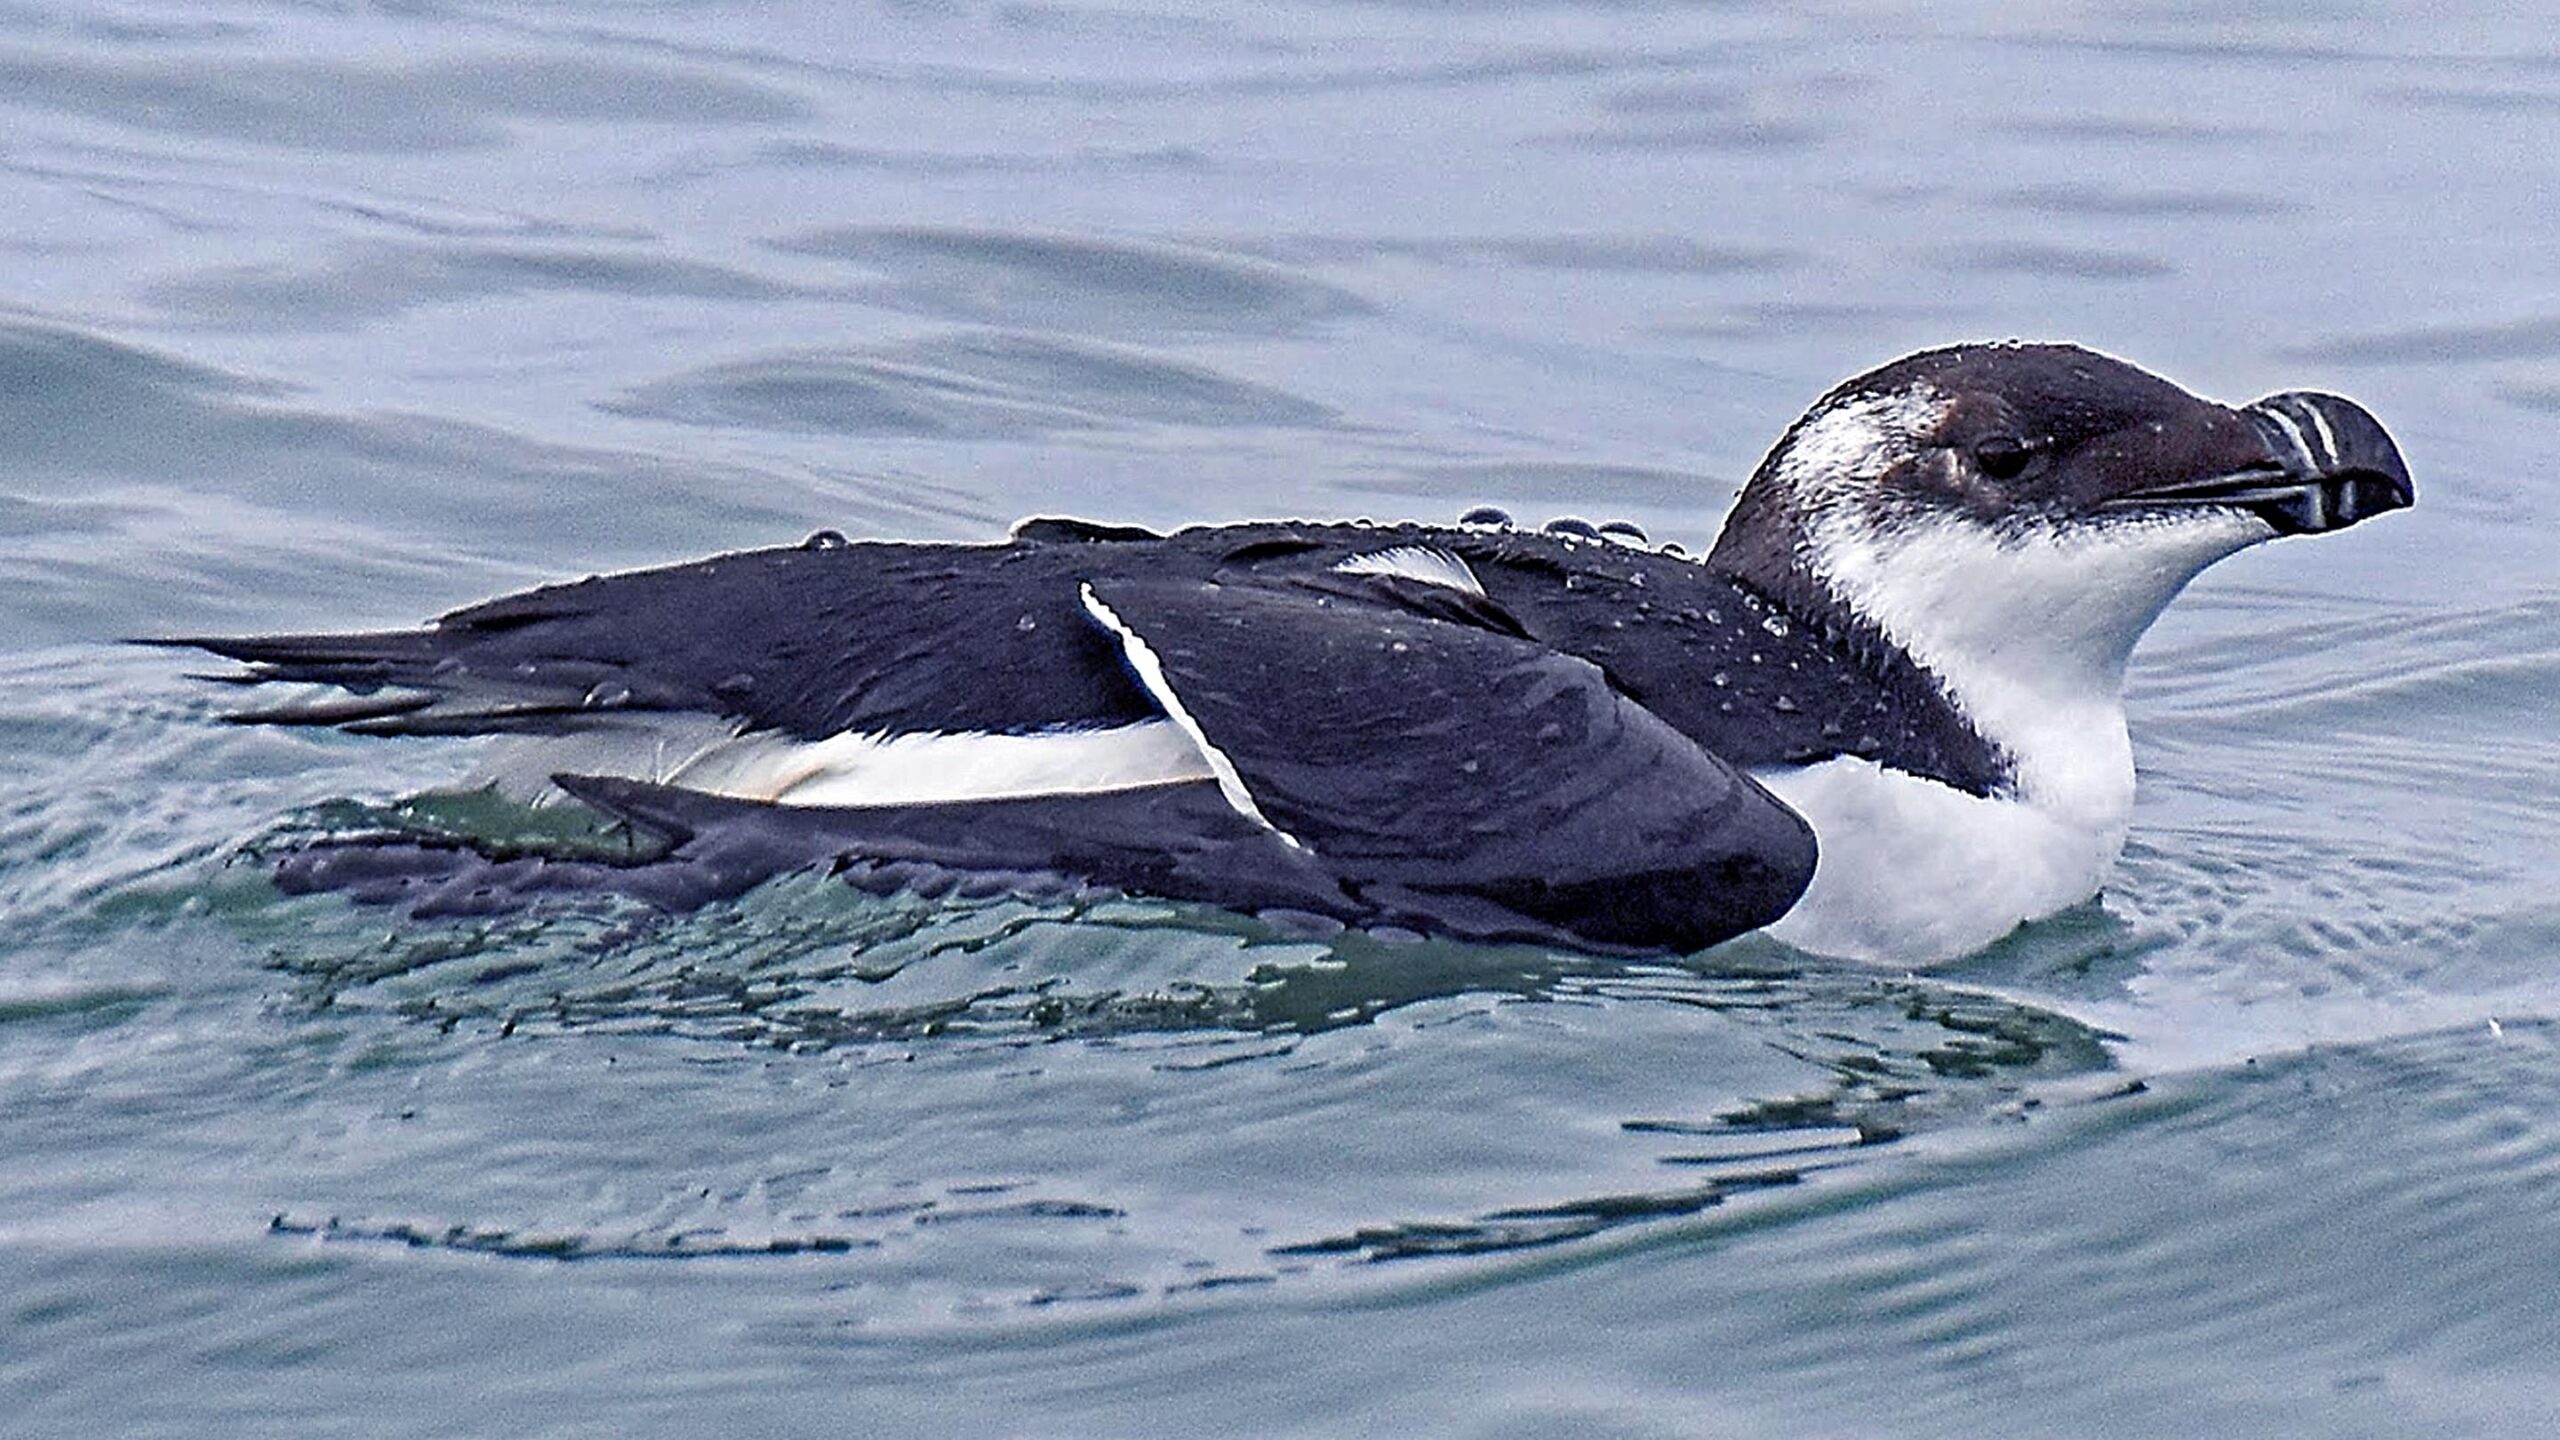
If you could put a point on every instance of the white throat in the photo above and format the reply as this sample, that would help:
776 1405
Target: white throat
2028 635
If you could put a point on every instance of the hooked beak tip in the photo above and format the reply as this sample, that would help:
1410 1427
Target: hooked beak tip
2340 466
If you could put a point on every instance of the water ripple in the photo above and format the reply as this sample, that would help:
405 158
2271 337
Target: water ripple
2108 201
2534 337
2057 262
988 385
1082 285
320 105
376 281
1631 254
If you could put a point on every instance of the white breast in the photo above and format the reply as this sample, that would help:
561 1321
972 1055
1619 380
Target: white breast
1912 872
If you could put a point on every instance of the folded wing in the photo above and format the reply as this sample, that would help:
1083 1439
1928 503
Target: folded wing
1437 764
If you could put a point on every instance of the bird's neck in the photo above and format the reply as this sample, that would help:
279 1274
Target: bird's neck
2026 634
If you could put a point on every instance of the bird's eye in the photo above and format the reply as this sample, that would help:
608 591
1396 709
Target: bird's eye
2003 457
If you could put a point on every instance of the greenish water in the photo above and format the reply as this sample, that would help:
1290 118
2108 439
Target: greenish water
313 318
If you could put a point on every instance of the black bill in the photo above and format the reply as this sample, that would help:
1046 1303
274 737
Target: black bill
2329 464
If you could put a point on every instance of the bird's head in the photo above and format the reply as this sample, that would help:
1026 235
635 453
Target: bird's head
2025 511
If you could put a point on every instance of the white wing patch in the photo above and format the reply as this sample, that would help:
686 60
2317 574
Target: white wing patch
1150 667
1418 563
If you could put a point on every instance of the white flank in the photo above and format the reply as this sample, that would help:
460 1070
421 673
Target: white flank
1418 563
849 770
933 769
633 745
1144 660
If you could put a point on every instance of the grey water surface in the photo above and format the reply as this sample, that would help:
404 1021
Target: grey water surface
334 316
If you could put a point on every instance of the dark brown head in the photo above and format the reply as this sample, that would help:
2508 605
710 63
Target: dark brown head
2018 438
2017 515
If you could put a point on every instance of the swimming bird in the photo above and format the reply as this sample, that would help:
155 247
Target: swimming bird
1882 718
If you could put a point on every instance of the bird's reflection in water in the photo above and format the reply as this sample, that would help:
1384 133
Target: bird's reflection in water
808 967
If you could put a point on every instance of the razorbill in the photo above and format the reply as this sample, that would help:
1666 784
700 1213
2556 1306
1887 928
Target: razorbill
1881 719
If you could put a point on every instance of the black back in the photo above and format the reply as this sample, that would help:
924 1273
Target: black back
814 640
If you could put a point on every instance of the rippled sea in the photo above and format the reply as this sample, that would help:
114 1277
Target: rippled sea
322 316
